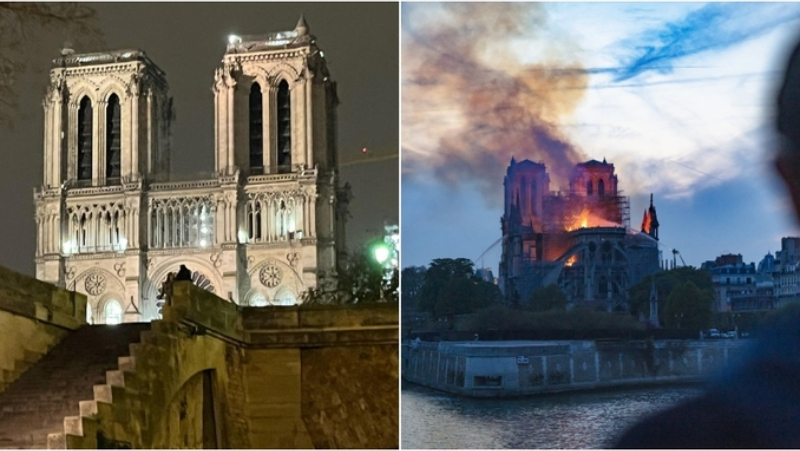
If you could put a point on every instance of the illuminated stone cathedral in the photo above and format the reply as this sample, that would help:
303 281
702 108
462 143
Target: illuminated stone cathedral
266 227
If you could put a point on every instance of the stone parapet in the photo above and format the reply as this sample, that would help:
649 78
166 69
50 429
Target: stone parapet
40 316
270 377
25 296
321 325
195 305
281 327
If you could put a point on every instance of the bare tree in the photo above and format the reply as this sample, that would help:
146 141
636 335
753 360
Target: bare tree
21 26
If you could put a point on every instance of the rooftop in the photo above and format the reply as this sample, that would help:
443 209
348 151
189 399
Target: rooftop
595 163
69 59
271 41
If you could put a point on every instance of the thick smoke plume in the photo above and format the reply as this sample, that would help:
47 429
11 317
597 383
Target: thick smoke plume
469 101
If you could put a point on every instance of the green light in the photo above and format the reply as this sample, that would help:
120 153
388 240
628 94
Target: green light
381 253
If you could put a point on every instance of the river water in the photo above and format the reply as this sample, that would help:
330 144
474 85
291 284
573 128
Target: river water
586 420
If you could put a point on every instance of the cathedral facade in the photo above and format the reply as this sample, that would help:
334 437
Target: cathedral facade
266 227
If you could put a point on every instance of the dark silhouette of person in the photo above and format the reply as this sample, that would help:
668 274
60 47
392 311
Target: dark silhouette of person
184 274
757 404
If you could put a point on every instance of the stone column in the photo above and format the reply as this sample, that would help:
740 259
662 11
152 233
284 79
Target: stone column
149 222
99 144
41 228
72 141
133 151
269 220
48 163
217 211
266 125
218 161
263 215
229 92
306 120
152 162
313 216
136 225
308 144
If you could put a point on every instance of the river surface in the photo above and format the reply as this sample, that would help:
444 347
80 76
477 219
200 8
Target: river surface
586 420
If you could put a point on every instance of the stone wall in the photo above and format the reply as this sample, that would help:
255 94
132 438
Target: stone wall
213 374
332 372
495 369
39 314
350 396
274 395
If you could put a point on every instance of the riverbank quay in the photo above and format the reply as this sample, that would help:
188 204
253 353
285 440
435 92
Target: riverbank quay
487 369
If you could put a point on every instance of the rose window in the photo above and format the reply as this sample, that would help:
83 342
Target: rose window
270 276
95 284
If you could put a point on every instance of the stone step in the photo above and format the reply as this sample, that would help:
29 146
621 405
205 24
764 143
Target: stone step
51 404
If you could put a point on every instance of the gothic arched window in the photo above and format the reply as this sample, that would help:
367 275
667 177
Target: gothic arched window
251 223
85 139
601 188
285 297
256 130
284 128
113 312
589 188
113 136
82 239
257 213
258 300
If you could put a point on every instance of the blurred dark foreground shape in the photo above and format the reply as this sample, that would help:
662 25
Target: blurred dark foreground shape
756 405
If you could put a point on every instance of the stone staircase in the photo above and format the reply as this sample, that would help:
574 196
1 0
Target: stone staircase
37 403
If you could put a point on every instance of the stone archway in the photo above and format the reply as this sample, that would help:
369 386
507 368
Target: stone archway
191 421
204 276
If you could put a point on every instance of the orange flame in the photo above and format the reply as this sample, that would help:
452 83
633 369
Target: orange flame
588 219
581 221
571 260
646 222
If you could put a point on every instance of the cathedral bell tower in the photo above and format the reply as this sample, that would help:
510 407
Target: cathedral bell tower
275 131
275 105
106 119
106 131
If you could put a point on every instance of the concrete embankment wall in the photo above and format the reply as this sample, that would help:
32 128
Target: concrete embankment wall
496 369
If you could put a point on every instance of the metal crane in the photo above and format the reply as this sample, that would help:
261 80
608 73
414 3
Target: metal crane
674 261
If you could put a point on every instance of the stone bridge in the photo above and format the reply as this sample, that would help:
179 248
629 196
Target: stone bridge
211 374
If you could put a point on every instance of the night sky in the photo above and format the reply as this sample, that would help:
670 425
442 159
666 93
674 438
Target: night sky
187 41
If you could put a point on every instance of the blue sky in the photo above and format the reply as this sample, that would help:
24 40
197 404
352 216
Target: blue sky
679 96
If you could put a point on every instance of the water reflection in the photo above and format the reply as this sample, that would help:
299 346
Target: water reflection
431 419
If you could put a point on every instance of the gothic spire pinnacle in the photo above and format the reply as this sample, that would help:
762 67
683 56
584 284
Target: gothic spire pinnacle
302 26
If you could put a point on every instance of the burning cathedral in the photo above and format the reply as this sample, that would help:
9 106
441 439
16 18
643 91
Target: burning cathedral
580 240
263 229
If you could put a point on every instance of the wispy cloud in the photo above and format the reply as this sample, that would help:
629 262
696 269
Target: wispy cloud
713 27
